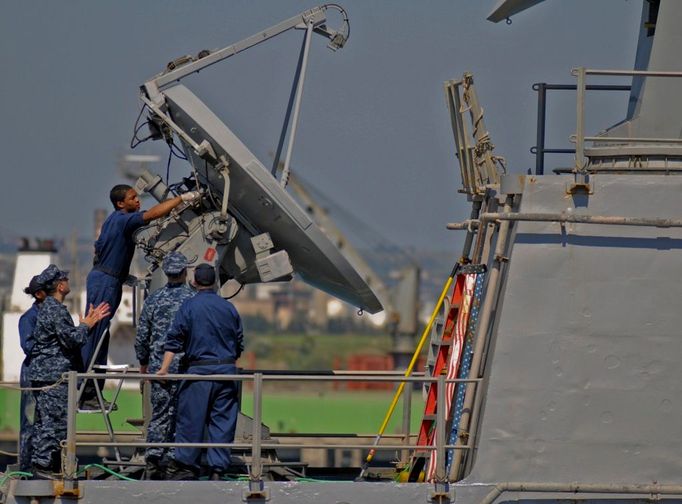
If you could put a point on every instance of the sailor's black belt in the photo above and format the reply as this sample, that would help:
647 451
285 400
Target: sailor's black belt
110 272
210 362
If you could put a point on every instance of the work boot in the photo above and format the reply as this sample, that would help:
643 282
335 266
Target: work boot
42 473
177 471
154 470
93 405
217 475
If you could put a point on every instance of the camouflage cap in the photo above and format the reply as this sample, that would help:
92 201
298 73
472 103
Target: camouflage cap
34 286
51 274
174 263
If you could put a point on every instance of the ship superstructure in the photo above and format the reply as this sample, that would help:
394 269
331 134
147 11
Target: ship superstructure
565 380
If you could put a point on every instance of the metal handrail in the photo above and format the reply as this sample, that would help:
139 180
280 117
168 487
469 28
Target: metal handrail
255 468
274 377
580 138
269 446
541 88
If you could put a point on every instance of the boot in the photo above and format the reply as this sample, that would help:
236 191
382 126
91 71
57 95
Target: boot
177 471
154 470
42 473
217 475
92 404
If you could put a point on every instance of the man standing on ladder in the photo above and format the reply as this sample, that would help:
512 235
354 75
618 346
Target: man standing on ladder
114 251
158 313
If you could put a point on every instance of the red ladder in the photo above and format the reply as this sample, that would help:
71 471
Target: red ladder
445 363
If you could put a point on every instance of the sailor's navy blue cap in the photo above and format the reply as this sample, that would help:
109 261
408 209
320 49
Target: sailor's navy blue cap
204 274
174 263
34 286
51 274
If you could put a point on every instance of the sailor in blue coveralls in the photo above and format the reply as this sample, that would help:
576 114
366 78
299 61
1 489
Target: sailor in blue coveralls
114 251
56 350
27 323
209 330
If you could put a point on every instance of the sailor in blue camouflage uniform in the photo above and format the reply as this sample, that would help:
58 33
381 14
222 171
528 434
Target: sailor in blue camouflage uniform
156 317
27 323
208 329
55 350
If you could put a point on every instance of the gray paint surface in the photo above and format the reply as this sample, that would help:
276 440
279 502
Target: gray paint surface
585 378
658 110
204 492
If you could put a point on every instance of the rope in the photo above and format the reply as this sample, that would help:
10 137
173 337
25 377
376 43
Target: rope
9 454
14 386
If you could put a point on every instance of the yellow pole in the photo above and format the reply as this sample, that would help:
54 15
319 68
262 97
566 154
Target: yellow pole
409 369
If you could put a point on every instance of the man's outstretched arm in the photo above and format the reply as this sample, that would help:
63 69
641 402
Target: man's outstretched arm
164 208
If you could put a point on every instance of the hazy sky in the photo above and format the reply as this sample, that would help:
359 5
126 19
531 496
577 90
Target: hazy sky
374 131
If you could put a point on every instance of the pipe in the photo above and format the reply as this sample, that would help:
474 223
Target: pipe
287 115
407 416
297 106
540 134
576 488
580 123
469 239
70 462
267 446
482 234
256 473
482 333
655 73
571 218
193 377
440 432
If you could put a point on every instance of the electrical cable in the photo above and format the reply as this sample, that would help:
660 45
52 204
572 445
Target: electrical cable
135 140
168 163
177 150
107 470
208 187
241 286
12 474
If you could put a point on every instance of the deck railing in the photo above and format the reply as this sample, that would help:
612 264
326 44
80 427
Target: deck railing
255 469
580 138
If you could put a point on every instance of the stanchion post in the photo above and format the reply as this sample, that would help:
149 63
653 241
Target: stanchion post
256 491
70 469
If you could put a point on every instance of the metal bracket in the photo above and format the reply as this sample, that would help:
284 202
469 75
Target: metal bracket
442 494
579 187
203 150
271 266
224 169
256 493
501 259
67 489
262 245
